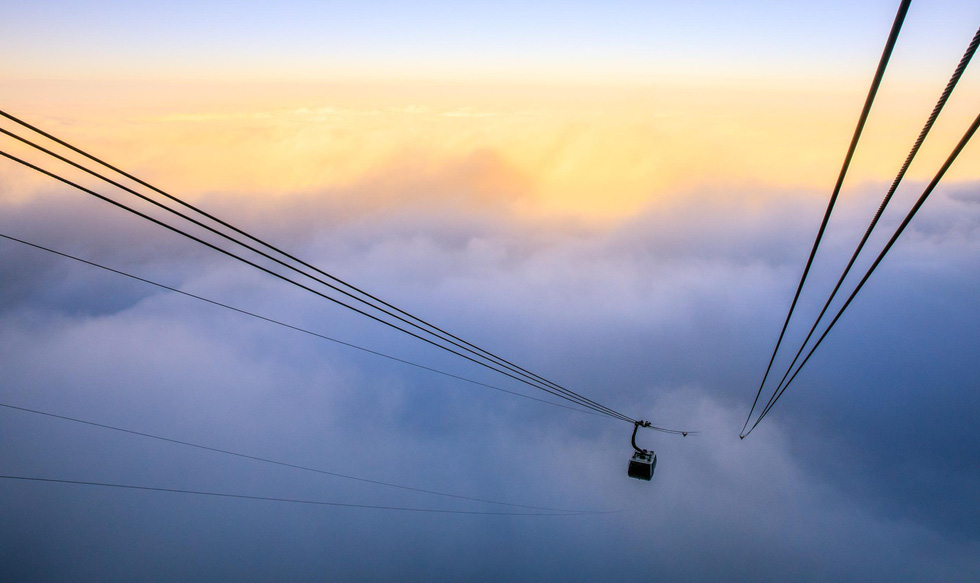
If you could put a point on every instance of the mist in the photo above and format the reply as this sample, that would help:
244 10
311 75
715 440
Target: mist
668 315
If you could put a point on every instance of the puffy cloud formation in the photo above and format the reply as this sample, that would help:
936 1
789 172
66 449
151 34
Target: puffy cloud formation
864 471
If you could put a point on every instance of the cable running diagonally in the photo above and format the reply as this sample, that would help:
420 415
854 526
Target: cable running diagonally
865 112
293 500
472 348
291 327
516 370
286 279
908 218
600 409
276 462
493 359
941 102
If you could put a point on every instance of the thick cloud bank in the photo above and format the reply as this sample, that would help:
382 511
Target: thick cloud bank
865 471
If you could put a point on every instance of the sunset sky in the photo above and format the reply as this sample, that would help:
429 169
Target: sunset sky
617 195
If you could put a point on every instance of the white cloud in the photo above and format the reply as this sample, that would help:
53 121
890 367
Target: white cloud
668 317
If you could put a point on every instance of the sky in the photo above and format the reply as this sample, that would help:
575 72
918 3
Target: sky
620 197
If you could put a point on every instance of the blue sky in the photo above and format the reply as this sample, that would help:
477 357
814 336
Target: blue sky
619 39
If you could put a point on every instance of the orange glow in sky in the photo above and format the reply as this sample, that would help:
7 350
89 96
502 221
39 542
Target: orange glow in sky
598 152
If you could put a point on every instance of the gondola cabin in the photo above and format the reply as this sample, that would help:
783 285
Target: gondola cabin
642 465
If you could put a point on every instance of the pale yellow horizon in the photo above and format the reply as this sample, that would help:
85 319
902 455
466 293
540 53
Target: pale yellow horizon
595 151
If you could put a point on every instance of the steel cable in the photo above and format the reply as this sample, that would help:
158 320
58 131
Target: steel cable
901 228
865 112
274 462
295 500
291 327
472 348
586 404
293 282
941 102
516 370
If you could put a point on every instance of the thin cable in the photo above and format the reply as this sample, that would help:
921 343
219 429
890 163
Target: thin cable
291 327
267 256
300 285
294 500
315 334
593 409
441 334
957 73
512 368
230 254
275 462
908 218
496 360
865 112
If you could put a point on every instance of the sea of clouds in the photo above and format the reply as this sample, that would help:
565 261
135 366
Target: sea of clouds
866 470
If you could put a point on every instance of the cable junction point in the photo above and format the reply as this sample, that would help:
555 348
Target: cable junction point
790 373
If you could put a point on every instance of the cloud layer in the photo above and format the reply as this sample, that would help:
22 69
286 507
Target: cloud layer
864 471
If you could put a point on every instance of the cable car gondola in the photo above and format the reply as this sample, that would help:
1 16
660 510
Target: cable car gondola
643 462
